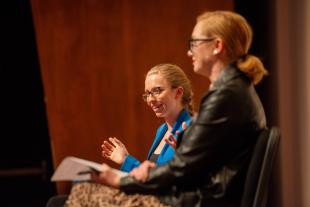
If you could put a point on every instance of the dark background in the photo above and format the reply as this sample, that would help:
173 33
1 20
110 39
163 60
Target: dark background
25 146
25 155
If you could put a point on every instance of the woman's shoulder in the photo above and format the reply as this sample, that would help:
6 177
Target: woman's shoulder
163 126
236 89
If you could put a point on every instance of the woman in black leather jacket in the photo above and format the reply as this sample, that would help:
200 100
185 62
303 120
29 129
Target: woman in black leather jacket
210 163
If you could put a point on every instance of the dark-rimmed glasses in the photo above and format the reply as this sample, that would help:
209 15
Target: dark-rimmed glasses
155 92
195 42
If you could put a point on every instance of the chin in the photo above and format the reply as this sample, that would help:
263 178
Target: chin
160 115
196 69
199 71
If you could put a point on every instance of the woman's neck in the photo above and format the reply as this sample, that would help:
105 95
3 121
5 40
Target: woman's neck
173 118
216 70
215 74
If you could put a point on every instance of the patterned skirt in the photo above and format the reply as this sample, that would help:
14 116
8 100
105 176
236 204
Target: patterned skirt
96 195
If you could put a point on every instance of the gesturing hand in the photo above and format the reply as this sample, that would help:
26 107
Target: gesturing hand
114 150
171 140
141 173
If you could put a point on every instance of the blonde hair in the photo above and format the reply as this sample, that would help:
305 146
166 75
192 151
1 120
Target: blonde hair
176 78
237 36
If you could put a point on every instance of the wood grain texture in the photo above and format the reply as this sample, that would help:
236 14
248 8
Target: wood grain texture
94 55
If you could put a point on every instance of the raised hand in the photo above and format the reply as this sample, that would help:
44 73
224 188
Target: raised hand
141 173
114 150
171 140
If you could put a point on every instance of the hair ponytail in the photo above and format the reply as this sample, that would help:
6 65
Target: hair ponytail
253 67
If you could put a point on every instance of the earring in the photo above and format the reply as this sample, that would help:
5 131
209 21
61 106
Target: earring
215 52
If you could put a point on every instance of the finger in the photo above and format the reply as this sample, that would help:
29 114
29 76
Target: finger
105 147
184 125
172 144
105 155
168 141
145 164
143 175
113 141
104 141
108 145
118 142
133 172
143 179
106 150
140 177
172 138
152 164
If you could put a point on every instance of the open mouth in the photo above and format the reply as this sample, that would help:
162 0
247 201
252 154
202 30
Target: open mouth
157 108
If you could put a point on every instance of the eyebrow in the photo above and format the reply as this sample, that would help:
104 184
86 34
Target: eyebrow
154 88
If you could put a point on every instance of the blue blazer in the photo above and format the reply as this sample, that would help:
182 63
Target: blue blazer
167 152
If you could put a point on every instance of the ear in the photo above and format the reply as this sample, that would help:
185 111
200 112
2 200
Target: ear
218 47
179 92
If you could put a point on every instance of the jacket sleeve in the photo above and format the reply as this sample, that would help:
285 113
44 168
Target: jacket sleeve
129 163
206 144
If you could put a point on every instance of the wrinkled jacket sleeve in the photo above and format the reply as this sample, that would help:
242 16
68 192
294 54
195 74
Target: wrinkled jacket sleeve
206 144
129 163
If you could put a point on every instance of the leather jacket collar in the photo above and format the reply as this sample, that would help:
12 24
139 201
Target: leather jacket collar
229 73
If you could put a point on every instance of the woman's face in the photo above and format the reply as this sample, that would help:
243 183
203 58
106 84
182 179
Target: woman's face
201 51
164 100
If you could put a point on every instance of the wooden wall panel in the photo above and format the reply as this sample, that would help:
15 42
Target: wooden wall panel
94 55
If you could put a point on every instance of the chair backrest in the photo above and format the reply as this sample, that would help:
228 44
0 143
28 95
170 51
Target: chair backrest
260 168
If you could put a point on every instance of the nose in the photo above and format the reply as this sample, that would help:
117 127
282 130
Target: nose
150 99
189 53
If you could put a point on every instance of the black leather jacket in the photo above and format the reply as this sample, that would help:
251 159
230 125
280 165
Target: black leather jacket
210 163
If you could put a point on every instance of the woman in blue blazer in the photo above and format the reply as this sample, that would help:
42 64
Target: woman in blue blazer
168 92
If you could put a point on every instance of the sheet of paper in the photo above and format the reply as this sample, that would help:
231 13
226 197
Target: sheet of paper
77 169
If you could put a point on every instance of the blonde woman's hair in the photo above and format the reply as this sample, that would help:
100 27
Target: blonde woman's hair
237 36
176 77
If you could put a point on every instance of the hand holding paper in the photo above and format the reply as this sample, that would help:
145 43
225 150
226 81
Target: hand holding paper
76 169
107 176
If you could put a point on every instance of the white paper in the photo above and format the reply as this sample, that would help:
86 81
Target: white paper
77 169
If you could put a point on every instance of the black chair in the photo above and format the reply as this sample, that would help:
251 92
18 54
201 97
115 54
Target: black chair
57 201
260 169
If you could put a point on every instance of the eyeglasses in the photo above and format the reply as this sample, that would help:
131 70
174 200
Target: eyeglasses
193 43
155 92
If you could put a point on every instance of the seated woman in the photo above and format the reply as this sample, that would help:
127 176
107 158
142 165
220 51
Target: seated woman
168 92
211 161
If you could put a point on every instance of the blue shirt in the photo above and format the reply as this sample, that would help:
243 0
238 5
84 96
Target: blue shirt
167 152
